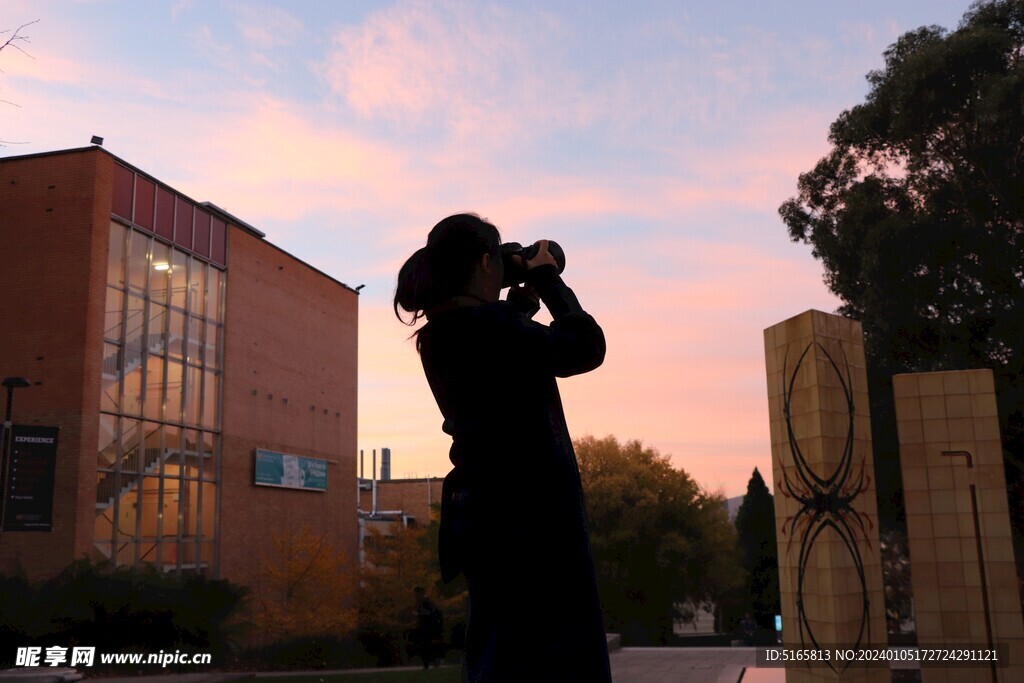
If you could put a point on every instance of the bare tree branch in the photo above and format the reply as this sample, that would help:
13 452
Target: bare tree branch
16 37
13 41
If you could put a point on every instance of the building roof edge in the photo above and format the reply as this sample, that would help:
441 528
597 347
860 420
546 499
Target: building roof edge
234 220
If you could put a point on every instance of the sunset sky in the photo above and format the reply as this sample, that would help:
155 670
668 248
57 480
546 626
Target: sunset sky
654 140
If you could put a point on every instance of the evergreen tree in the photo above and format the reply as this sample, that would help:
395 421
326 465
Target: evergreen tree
755 526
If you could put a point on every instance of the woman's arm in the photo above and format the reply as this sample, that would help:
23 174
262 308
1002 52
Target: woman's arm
574 343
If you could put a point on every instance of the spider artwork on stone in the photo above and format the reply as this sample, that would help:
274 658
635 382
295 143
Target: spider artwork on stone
826 502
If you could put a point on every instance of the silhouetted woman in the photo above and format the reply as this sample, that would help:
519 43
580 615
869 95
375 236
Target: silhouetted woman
513 518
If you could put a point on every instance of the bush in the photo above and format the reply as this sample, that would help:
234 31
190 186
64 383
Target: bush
16 612
119 610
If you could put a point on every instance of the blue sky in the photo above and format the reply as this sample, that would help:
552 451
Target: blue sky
654 140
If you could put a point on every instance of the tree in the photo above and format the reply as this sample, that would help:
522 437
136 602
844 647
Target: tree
917 214
13 41
15 38
657 538
395 565
899 603
755 526
305 587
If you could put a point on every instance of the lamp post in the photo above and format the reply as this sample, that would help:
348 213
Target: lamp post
11 383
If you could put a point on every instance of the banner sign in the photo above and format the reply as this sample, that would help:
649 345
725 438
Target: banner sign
31 472
290 471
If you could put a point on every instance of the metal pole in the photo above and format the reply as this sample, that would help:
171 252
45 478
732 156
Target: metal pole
374 484
3 455
11 383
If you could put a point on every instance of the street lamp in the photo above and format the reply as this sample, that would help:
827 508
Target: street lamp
11 383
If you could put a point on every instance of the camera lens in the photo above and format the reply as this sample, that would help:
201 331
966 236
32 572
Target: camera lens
515 273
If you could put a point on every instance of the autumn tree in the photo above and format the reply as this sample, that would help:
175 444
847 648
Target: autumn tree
658 539
917 214
395 564
304 587
755 525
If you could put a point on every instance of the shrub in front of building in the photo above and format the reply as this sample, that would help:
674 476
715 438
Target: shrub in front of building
119 611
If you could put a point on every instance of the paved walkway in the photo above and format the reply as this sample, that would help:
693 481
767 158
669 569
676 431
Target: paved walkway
629 665
680 664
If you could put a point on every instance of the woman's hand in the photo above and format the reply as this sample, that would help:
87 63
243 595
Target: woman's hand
524 298
542 258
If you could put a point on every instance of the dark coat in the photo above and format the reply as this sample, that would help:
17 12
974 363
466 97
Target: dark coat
513 517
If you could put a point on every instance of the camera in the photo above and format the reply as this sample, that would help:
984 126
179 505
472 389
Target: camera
515 273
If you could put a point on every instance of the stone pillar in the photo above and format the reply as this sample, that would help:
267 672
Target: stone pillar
958 526
830 568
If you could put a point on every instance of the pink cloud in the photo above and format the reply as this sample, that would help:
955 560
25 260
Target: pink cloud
258 149
274 150
481 73
264 27
44 68
181 6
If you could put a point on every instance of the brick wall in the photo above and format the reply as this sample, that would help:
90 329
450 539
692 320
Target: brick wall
54 229
289 386
412 496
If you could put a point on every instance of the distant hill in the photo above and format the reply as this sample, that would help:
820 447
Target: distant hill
732 506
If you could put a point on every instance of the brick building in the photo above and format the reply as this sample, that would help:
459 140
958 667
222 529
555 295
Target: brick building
203 380
385 505
412 496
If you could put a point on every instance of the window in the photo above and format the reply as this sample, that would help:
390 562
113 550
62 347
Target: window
159 445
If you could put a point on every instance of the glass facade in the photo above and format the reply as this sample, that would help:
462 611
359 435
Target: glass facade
160 434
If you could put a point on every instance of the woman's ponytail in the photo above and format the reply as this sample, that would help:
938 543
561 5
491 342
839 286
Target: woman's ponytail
414 286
